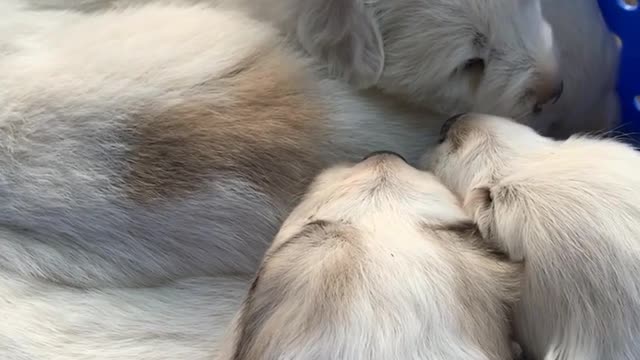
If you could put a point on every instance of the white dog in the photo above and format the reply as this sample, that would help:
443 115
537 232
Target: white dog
453 56
133 157
378 261
142 163
149 145
571 210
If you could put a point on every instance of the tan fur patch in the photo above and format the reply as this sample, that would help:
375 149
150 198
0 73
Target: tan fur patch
260 121
308 282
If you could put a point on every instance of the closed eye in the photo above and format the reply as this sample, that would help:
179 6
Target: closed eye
474 68
474 65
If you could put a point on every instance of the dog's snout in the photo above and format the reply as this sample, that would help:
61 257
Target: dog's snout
384 153
444 130
546 93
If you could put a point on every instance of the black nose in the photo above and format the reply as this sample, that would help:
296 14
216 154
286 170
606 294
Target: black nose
384 152
447 126
552 98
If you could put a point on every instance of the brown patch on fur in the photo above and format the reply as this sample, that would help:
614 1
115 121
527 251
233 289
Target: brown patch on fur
484 275
259 121
307 231
312 274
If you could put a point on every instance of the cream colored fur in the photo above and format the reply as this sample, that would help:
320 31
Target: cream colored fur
143 148
148 157
378 261
417 50
132 156
571 210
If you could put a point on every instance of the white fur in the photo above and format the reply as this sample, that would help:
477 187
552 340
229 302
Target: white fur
73 87
417 49
571 210
86 271
182 320
69 92
377 262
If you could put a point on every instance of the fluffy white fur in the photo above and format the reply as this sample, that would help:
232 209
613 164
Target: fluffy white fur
378 261
147 146
498 56
74 98
114 243
571 210
186 319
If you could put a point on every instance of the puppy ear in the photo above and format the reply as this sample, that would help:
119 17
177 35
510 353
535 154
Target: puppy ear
345 35
478 204
498 212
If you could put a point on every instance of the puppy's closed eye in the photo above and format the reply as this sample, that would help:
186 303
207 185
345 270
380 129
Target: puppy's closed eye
474 65
474 68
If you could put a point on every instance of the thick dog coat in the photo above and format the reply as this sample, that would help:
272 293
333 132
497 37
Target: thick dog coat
143 166
571 210
133 157
452 56
378 261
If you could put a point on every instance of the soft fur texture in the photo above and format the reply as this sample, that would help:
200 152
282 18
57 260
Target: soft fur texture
185 319
130 160
571 210
137 156
149 146
453 56
378 261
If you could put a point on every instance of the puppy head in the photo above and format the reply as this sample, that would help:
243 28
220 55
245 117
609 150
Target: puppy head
518 185
477 150
494 56
318 293
378 188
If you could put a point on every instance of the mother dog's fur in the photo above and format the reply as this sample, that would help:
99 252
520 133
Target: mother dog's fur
571 210
150 145
132 157
143 165
378 261
418 50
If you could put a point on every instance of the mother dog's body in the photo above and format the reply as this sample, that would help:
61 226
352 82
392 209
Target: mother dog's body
130 161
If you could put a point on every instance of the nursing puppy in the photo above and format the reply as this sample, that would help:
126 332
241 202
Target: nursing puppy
496 56
378 261
571 210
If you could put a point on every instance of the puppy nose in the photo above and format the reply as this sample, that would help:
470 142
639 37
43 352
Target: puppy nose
444 130
384 153
546 94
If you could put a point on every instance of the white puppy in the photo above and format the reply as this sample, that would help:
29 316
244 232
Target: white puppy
571 210
378 261
452 56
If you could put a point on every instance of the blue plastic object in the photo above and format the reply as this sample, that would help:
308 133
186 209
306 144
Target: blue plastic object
623 18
